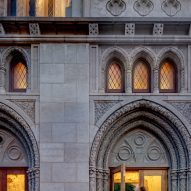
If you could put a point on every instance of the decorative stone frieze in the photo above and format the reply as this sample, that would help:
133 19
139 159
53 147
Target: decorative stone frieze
27 106
2 31
116 7
101 107
143 7
184 107
171 7
129 29
34 29
93 29
158 29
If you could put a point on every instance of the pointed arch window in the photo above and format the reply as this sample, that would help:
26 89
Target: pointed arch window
115 77
167 76
18 76
141 76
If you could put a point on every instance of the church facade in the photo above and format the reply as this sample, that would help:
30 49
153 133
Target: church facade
95 95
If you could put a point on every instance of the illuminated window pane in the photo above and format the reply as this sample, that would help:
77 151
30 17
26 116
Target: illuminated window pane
167 76
15 182
132 179
114 77
153 183
141 76
50 8
117 181
19 76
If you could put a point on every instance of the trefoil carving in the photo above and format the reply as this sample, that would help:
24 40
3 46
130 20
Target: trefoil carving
116 7
143 7
171 7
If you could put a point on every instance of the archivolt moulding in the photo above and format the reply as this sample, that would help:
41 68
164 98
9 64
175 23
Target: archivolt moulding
143 52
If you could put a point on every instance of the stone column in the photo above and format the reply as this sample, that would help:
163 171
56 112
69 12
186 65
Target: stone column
99 179
189 180
106 174
92 173
174 180
2 78
183 180
34 179
156 80
182 78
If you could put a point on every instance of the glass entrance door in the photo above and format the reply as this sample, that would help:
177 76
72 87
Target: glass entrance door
150 179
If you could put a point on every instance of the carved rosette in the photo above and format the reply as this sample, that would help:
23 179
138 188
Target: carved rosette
171 7
143 7
116 7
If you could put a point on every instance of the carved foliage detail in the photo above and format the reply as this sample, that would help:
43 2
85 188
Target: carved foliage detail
171 7
116 7
27 106
143 7
101 107
184 108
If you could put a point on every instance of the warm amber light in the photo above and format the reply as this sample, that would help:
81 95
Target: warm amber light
15 182
141 76
152 183
167 77
114 77
117 177
20 76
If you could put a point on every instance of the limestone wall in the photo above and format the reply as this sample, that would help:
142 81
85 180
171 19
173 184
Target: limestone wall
64 117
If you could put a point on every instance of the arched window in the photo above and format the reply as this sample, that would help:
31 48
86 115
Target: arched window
141 76
18 75
115 82
167 76
12 7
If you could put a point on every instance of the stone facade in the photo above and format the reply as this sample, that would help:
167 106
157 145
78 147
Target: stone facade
69 130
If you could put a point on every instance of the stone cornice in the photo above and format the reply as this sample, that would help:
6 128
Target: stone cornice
108 30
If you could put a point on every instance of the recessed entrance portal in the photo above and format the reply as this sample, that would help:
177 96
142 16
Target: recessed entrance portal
138 145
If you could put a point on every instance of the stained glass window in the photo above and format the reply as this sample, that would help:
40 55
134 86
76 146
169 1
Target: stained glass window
167 77
11 9
19 77
15 182
114 78
141 78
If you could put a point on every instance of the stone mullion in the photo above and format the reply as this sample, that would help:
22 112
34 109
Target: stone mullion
129 81
182 84
156 80
2 79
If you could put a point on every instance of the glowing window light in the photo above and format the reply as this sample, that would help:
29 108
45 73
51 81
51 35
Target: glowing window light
19 76
167 76
15 182
153 183
114 77
141 76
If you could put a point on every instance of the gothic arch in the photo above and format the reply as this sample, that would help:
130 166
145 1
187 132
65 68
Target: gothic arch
154 118
6 57
13 122
143 52
113 53
178 58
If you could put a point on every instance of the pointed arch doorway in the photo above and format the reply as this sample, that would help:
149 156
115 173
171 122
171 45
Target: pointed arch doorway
164 156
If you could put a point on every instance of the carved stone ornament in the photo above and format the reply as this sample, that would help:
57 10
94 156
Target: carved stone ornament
116 7
130 29
34 29
101 107
27 106
143 7
93 29
171 7
158 29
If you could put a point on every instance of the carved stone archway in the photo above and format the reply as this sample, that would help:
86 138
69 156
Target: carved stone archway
14 124
154 118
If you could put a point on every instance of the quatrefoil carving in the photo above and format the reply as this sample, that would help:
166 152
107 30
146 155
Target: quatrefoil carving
143 7
171 7
116 7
